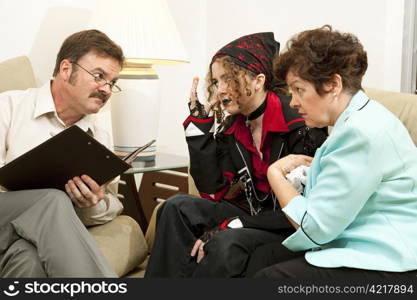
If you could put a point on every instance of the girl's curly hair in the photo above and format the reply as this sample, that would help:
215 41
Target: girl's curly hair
234 72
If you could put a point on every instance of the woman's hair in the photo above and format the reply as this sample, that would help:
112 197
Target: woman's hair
317 55
233 72
80 43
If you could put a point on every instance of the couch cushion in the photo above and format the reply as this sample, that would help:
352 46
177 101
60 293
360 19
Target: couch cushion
403 105
122 242
16 74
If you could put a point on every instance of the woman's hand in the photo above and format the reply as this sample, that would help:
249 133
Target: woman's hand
281 187
288 163
198 249
197 109
193 92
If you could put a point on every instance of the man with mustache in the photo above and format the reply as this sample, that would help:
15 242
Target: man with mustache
42 235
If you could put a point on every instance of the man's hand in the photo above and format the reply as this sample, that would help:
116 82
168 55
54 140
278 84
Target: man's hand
199 250
84 191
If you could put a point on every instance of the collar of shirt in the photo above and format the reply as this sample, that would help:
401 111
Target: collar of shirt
45 105
356 103
273 121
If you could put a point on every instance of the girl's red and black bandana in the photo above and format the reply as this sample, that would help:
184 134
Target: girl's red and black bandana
254 52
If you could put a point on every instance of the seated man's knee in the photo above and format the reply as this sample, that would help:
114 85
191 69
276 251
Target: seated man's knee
56 198
22 260
55 194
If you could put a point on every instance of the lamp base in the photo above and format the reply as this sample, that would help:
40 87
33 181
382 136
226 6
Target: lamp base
135 117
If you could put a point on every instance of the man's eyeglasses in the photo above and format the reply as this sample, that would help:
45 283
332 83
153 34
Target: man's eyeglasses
99 79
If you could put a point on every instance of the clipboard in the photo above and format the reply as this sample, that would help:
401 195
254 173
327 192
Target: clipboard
51 164
129 158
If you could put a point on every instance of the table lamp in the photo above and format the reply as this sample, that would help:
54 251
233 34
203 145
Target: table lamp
148 35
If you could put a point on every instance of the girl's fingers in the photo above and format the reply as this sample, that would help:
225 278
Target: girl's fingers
193 92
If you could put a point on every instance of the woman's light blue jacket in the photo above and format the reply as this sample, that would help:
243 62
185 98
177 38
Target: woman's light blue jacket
359 208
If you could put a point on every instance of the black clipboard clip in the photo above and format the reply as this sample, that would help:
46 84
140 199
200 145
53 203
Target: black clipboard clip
131 156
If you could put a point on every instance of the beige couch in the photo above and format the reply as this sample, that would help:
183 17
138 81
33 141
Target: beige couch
121 241
404 106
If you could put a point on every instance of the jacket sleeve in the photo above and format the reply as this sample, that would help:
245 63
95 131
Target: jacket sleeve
209 158
300 139
304 140
105 210
5 119
339 193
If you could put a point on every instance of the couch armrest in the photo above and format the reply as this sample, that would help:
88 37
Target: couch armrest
122 243
192 189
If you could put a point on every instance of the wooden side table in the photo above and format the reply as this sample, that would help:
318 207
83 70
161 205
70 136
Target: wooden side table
162 178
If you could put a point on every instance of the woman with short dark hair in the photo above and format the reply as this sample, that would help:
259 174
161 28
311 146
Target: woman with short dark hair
360 199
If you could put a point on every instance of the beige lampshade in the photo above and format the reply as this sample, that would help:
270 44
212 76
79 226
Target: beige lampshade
148 35
144 29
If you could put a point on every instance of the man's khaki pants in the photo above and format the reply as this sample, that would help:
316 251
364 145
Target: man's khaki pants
41 236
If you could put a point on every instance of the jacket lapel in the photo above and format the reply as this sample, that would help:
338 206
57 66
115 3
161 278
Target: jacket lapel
239 156
277 147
